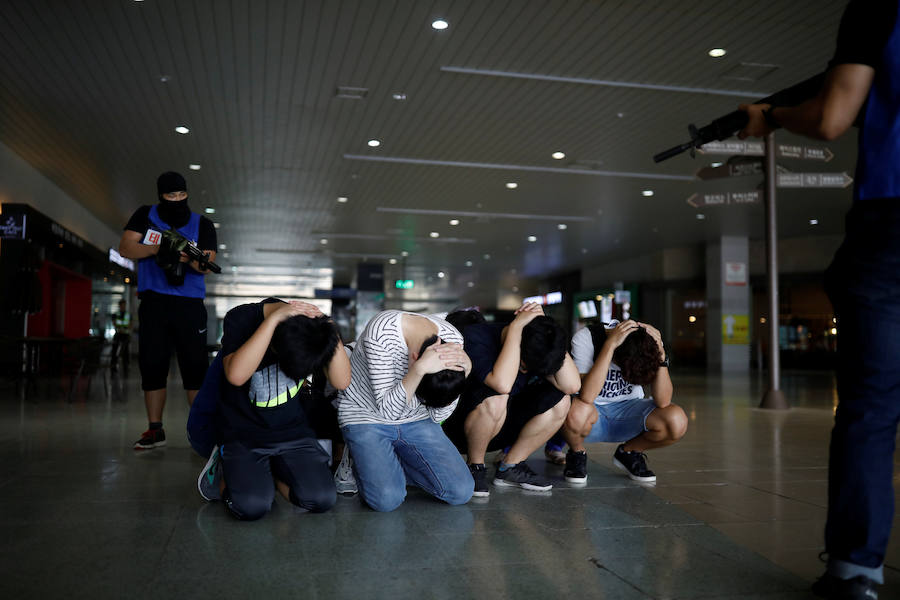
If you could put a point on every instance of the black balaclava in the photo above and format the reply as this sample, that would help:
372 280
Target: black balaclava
177 214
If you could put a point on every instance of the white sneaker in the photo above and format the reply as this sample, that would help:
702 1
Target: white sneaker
344 481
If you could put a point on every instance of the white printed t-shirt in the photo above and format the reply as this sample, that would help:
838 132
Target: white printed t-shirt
615 389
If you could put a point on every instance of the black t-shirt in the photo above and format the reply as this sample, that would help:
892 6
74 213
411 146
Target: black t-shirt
140 222
483 343
864 32
269 406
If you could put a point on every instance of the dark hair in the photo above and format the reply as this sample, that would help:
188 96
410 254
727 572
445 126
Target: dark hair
638 357
543 348
304 344
439 389
464 317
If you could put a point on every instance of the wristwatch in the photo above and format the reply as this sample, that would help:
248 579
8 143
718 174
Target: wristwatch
665 361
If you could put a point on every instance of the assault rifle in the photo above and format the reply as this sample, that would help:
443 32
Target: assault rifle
175 243
725 127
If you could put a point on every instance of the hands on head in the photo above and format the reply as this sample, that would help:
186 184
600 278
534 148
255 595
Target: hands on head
440 356
295 308
526 313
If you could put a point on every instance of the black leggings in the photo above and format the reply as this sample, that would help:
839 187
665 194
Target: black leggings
248 471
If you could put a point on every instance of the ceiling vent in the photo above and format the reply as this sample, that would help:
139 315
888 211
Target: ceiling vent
747 71
351 93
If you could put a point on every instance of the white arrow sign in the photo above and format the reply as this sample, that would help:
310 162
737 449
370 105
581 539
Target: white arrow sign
724 198
745 148
814 180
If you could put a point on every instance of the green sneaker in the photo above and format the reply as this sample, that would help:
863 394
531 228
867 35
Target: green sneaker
210 476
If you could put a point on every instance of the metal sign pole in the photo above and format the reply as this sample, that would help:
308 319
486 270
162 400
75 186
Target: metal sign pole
774 397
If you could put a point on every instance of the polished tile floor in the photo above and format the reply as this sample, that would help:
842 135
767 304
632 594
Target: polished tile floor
737 512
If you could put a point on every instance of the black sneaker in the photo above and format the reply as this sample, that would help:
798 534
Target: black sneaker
833 588
633 463
479 474
522 476
210 476
150 439
576 467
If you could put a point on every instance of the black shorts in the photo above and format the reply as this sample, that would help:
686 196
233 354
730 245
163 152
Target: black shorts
172 323
532 400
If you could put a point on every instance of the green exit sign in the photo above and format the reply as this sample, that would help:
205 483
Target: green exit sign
404 284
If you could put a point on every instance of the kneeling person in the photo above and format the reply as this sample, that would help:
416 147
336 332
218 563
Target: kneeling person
269 350
614 364
408 371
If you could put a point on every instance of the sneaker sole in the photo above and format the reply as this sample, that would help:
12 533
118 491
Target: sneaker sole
149 446
576 479
524 486
478 494
631 475
203 476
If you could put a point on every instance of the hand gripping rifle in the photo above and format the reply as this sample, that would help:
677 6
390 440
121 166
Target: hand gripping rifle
725 127
177 243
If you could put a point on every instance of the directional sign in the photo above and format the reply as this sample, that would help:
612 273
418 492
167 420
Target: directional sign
724 198
814 180
736 166
749 148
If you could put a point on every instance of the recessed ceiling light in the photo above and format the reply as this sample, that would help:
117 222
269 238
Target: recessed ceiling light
209 210
182 129
404 254
217 225
440 24
558 155
398 96
163 78
813 221
620 114
468 263
717 52
323 241
584 250
647 193
454 221
374 143
487 257
532 238
222 246
715 165
342 199
434 234
512 185
562 226
234 269
393 261
441 274
194 167
701 216
470 284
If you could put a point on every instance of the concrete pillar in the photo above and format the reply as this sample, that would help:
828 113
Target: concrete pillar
728 305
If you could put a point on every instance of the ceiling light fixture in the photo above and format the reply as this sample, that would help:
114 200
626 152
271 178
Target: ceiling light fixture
562 226
194 167
813 221
454 221
434 234
323 241
440 24
342 199
468 263
715 165
717 52
374 143
399 96
182 129
217 225
487 257
209 210
441 274
511 185
470 284
532 238
393 261
222 246
701 216
558 155
647 193
404 254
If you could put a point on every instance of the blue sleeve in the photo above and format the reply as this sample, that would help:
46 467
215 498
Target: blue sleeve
482 344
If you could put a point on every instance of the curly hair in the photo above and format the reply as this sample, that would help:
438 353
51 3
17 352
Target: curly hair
638 357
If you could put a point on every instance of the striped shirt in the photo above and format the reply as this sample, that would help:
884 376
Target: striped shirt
378 365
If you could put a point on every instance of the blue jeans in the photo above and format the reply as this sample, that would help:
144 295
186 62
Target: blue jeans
202 432
863 284
388 457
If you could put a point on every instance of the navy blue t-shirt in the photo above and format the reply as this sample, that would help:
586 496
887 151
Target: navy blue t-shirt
268 407
483 343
